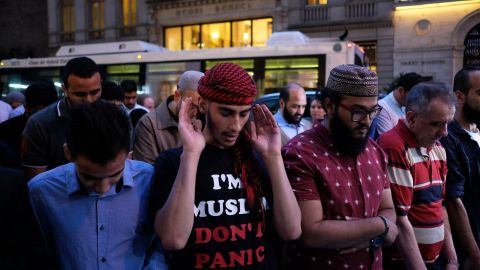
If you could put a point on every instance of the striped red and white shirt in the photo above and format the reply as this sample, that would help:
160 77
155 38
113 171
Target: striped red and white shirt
417 180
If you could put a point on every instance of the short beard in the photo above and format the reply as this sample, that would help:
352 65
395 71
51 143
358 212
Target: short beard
342 137
470 114
289 118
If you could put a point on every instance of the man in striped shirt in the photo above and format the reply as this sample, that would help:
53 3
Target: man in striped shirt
417 172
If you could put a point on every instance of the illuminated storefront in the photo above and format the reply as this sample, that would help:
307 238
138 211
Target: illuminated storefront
217 35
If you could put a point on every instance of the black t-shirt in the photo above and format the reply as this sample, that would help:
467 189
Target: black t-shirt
225 234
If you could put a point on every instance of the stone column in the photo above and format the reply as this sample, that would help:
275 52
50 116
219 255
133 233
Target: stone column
81 23
54 22
112 17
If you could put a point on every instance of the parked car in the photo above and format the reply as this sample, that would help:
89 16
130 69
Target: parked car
271 100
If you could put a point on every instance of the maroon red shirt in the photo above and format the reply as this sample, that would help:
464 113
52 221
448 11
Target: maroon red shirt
348 188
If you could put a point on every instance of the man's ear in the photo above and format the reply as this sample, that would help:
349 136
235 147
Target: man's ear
460 97
281 103
65 90
410 117
129 155
329 106
177 97
202 105
67 153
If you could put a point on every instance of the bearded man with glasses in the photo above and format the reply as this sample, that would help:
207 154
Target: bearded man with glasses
339 177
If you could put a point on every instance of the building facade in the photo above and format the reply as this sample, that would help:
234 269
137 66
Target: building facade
432 38
23 28
95 21
436 39
368 23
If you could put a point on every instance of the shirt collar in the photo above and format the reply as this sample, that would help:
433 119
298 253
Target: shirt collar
455 127
410 138
73 184
63 105
164 116
283 123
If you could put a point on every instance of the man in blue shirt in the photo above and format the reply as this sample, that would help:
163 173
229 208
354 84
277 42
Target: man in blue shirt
94 211
292 102
463 160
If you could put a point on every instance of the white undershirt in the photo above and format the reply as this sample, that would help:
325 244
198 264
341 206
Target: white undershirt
475 136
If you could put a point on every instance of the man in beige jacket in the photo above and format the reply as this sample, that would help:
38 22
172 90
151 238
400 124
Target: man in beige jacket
157 131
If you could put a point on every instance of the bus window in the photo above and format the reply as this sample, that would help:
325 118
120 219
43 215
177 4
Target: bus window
281 71
19 79
118 73
246 64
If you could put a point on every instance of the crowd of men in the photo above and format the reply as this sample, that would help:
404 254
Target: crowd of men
206 180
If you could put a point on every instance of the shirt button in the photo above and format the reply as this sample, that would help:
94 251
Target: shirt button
102 227
104 259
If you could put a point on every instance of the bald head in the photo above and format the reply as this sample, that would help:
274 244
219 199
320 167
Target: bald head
293 101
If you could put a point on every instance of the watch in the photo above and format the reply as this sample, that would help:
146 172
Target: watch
377 241
384 219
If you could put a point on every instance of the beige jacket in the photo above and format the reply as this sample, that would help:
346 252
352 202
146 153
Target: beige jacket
156 132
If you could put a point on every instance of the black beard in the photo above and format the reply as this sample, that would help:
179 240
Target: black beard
470 114
289 118
343 140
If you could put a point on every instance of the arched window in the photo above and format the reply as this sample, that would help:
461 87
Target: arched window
471 55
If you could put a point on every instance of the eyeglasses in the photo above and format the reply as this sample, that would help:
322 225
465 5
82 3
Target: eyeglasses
359 114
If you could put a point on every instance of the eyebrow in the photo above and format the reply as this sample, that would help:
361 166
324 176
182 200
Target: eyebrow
234 111
94 177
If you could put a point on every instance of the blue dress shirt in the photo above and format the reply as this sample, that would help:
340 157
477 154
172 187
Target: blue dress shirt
291 130
90 231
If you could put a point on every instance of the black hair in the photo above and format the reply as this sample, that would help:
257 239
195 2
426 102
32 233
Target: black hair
408 80
422 94
40 94
325 93
141 98
82 67
136 114
98 131
129 86
111 91
461 81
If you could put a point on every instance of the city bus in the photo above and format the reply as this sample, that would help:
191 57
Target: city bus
287 57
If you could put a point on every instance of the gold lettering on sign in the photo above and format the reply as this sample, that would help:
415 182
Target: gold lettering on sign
189 12
232 7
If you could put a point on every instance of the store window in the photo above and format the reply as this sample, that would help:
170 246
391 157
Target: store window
172 37
97 19
219 35
191 38
316 2
68 20
370 48
262 31
242 36
216 35
129 17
